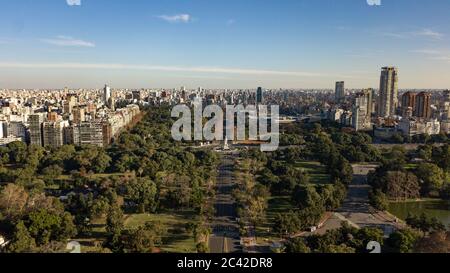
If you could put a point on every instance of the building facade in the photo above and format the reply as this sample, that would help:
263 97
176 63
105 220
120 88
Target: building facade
388 97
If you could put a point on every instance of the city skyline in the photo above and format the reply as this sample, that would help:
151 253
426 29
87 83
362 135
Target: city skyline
312 44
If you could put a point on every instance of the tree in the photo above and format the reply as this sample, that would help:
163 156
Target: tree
425 152
441 155
286 224
424 223
403 241
445 191
45 226
378 200
143 193
256 210
297 245
431 176
17 152
339 249
114 227
13 201
52 172
179 194
293 154
202 247
269 179
4 155
332 195
140 240
92 158
306 197
366 235
340 169
402 185
437 242
21 242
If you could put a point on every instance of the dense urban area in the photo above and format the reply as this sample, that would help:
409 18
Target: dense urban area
100 168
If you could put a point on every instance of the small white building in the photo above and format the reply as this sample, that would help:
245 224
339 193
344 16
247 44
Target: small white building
412 127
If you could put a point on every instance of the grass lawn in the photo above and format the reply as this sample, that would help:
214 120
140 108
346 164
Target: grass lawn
317 172
411 166
177 240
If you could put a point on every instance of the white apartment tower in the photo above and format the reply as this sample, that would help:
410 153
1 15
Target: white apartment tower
106 94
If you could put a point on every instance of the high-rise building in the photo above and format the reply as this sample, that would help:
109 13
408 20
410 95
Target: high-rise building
70 102
107 134
423 105
368 94
137 95
106 94
388 96
3 129
259 95
78 115
446 95
340 91
88 133
35 127
91 109
362 110
17 129
408 103
53 134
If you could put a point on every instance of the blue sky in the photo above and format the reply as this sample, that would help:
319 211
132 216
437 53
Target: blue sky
222 43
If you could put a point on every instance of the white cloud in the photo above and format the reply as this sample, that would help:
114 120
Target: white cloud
68 41
395 35
424 33
199 69
73 2
219 70
429 33
426 51
434 54
178 18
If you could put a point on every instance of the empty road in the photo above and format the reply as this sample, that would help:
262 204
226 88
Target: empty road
225 237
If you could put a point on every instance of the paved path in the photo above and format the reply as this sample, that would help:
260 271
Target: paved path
356 210
225 237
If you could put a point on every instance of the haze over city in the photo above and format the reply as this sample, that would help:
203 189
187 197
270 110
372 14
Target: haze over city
222 44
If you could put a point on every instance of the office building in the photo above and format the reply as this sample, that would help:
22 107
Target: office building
259 95
340 91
